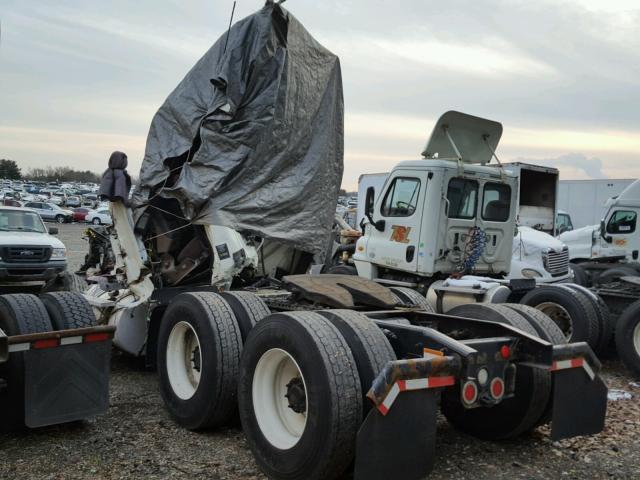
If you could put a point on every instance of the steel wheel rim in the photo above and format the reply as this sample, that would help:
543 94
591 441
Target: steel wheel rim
559 315
184 360
278 422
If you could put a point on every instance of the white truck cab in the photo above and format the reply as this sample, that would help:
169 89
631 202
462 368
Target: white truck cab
471 208
616 237
453 213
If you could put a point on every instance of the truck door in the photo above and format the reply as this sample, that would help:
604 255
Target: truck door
460 209
401 207
621 227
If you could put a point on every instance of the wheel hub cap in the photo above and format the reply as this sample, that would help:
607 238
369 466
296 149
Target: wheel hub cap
296 395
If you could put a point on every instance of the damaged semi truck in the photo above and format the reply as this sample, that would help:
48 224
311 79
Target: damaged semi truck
329 372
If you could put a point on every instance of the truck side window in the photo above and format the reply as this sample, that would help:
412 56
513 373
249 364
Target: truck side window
564 222
463 196
401 198
622 221
496 202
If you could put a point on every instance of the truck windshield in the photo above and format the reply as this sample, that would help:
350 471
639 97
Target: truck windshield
463 196
20 221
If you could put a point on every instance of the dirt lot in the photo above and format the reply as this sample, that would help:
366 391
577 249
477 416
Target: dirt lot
137 439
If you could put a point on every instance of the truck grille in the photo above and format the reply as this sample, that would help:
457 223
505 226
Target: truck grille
556 263
27 254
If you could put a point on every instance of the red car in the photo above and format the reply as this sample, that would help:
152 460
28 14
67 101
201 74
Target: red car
80 213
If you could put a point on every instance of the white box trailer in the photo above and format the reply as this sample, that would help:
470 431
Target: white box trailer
585 200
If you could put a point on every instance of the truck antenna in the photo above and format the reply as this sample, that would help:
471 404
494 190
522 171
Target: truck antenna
229 29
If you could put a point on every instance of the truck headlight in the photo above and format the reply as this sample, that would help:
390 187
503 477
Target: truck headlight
530 273
59 254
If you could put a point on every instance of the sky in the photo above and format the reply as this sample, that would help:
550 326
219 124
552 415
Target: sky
79 79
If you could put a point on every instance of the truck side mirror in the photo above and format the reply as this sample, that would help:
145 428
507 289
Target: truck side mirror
368 210
53 230
603 232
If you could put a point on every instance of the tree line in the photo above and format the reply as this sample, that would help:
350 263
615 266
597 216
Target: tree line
9 169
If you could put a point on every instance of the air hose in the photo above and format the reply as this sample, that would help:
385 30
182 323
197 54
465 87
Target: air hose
476 241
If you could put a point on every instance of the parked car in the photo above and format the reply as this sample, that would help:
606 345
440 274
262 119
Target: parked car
90 199
80 213
73 201
56 200
29 251
98 217
50 211
10 202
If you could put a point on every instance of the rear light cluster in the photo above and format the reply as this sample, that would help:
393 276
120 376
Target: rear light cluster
470 390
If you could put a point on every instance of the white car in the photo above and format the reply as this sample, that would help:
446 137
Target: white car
102 216
56 200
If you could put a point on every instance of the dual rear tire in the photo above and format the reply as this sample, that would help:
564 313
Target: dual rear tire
300 377
22 314
304 376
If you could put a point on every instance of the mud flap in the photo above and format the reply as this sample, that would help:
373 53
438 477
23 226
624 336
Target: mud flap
67 383
579 404
402 443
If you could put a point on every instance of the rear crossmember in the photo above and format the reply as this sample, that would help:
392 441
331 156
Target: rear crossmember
406 393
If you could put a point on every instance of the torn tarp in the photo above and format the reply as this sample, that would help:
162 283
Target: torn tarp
260 127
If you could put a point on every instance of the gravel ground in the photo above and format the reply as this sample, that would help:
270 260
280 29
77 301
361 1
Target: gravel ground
137 439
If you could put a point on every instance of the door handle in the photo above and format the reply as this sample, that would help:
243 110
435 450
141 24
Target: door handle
411 250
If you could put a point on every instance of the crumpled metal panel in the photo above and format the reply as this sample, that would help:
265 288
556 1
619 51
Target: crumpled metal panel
260 127
341 291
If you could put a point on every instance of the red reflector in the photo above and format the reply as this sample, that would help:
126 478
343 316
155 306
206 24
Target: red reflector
497 388
469 392
505 352
48 343
96 337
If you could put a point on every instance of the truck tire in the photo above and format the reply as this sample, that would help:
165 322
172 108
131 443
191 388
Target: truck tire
311 433
628 337
512 416
614 274
199 347
369 346
603 314
411 297
342 270
547 330
569 309
248 308
579 274
68 310
19 314
543 325
73 283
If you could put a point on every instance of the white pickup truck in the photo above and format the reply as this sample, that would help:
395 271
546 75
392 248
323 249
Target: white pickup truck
30 256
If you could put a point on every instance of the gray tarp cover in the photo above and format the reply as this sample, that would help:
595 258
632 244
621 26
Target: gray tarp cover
262 125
